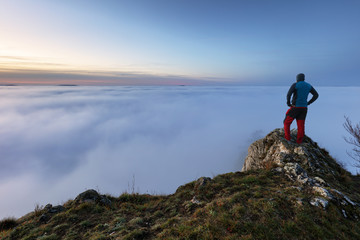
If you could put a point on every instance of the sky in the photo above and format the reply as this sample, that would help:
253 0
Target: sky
187 42
58 141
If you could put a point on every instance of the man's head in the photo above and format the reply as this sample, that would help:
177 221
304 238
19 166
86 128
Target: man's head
300 77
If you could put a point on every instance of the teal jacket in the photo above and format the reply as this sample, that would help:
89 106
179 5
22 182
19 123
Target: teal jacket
300 91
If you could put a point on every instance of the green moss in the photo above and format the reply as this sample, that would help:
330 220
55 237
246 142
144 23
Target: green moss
98 236
62 228
50 237
101 227
136 234
72 235
86 224
253 205
138 221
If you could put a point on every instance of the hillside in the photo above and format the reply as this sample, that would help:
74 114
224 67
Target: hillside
284 191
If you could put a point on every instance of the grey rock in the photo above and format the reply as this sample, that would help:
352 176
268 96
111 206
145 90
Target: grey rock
105 201
48 206
345 200
319 202
44 218
270 149
323 192
56 209
274 148
202 182
92 196
349 201
344 213
278 170
300 201
88 196
195 201
297 188
296 172
306 164
320 181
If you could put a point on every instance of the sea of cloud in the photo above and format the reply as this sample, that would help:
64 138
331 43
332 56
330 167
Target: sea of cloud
57 141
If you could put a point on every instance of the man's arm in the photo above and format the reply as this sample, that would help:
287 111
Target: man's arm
290 92
314 97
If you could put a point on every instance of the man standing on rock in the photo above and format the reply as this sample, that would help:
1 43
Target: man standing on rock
298 106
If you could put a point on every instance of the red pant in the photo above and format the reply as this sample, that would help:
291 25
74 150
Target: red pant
298 113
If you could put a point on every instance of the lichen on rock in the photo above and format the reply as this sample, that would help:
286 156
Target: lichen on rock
308 165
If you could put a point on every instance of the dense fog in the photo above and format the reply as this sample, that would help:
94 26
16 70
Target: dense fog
59 141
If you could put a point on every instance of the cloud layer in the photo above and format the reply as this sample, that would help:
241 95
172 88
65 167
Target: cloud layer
58 141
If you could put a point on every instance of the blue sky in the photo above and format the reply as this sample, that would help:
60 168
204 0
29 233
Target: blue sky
141 42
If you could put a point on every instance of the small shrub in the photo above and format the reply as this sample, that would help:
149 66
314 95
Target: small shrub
72 235
158 214
98 209
258 194
7 224
85 207
102 227
134 198
120 220
29 238
61 217
136 234
238 210
61 228
120 224
250 179
98 236
86 224
237 197
73 218
50 237
35 231
269 165
136 221
38 209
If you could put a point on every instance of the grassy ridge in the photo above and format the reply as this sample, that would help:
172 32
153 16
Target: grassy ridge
257 204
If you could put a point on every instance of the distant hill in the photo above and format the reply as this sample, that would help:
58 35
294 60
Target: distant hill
284 191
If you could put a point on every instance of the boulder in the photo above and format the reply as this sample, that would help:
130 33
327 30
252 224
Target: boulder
201 182
56 209
319 202
92 196
44 218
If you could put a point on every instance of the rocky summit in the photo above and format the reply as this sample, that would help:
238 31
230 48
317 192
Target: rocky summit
308 166
284 191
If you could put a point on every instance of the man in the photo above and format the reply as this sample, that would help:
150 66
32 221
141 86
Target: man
298 106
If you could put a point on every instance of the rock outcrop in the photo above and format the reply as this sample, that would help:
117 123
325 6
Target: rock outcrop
310 167
92 196
275 149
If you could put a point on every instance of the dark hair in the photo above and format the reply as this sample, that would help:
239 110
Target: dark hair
300 77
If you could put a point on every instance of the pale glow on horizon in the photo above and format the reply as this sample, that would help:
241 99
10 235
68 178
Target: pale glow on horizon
245 43
18 61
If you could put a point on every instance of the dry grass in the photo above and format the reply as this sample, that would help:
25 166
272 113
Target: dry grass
254 205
